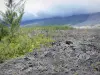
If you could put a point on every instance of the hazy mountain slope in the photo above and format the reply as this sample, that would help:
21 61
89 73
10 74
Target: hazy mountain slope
82 19
92 19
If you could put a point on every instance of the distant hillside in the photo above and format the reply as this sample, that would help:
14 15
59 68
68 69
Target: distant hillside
82 19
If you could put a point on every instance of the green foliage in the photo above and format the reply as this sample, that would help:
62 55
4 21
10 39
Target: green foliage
12 47
56 27
13 15
3 31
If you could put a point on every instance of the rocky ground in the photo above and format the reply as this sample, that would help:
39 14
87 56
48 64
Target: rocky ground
75 52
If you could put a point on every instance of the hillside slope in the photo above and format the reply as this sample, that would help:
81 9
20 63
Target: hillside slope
82 19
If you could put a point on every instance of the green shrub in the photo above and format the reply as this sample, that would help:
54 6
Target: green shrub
3 31
12 47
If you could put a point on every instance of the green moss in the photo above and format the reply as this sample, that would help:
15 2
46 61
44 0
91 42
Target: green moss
96 66
75 73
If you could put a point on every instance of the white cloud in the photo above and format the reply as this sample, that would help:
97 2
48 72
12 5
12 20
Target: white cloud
59 7
62 7
2 6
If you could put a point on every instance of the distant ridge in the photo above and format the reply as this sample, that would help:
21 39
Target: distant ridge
81 19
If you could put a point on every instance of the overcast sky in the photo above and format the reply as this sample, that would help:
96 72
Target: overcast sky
59 7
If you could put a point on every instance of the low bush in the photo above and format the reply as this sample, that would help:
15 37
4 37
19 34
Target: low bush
3 31
16 46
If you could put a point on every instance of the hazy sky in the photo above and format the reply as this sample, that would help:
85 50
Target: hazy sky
59 7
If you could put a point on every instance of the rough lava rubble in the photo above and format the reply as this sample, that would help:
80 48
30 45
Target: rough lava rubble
74 52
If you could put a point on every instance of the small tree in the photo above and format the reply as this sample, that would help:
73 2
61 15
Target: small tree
13 14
